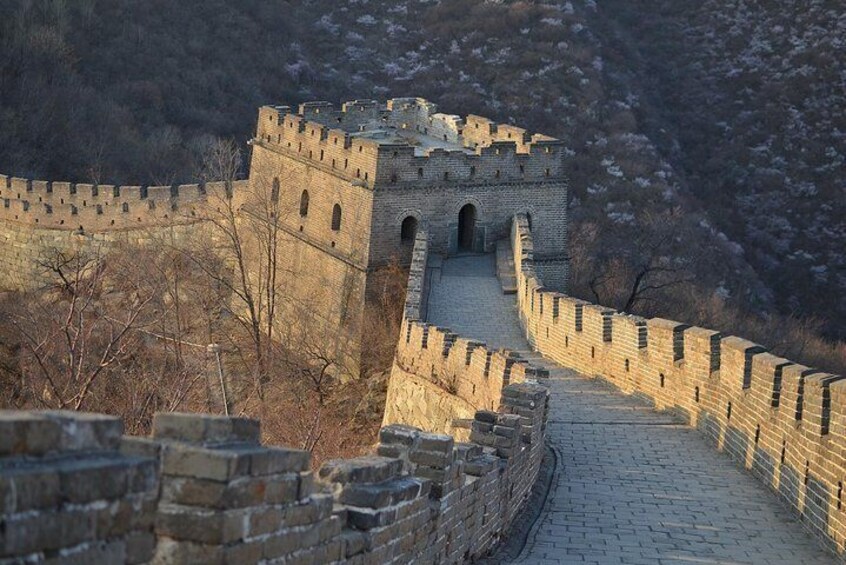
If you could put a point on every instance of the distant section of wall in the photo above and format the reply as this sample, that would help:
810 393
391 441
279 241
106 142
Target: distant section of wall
439 378
784 422
39 218
101 208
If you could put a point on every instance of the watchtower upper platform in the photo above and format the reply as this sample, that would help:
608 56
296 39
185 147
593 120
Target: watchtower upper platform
408 134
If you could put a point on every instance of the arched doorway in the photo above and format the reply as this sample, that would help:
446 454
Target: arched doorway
466 227
408 230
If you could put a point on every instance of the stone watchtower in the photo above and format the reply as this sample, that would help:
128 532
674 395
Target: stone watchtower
355 184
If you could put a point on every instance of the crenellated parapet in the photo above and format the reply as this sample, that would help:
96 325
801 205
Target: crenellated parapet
784 422
406 141
69 495
104 207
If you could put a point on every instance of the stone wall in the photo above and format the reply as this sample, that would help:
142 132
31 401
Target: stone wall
440 379
68 495
38 218
499 169
784 422
100 208
202 489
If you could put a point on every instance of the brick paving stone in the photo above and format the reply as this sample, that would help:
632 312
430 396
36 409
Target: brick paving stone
466 297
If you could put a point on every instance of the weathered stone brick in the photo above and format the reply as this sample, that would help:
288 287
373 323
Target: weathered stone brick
368 518
398 434
89 479
432 459
205 428
274 460
382 494
46 530
486 416
202 526
28 487
436 442
204 463
372 469
27 433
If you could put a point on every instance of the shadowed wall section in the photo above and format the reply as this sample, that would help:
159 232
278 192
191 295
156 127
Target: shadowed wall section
39 218
202 489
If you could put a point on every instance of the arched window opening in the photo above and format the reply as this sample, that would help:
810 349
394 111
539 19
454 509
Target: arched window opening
336 217
408 231
274 192
304 204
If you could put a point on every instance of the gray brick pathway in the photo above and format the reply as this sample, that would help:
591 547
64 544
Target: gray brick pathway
466 297
632 486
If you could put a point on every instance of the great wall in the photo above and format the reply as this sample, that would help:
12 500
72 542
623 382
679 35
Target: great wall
784 422
202 489
466 421
39 217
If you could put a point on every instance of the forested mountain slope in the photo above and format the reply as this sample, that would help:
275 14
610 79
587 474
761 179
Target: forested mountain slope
131 92
749 100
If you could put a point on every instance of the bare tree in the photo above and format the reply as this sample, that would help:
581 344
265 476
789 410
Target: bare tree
243 257
100 336
72 335
646 262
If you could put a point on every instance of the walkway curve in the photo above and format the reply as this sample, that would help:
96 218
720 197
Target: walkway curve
634 486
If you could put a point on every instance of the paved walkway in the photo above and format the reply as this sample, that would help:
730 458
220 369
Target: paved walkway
466 297
632 486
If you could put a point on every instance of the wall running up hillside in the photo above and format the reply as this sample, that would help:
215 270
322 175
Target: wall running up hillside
784 422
